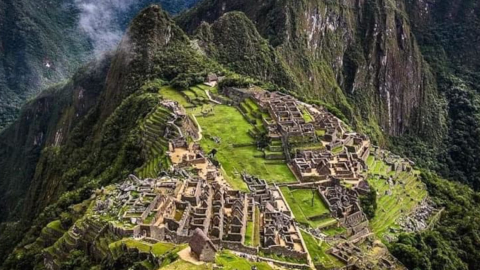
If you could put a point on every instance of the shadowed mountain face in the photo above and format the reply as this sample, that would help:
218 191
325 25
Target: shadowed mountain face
43 42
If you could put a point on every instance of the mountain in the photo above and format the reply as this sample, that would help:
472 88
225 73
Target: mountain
403 72
372 64
45 42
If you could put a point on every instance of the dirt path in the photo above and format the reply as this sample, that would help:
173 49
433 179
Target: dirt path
200 136
210 98
186 255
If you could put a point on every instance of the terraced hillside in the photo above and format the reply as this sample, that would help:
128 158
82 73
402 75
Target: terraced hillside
155 134
396 197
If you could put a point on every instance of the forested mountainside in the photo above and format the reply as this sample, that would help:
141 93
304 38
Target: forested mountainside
44 42
391 71
407 69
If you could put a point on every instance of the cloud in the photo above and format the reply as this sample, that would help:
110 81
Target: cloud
99 19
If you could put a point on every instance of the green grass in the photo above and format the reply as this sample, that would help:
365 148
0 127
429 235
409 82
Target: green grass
229 261
318 253
161 248
320 133
300 201
170 93
337 150
256 229
210 89
306 115
157 249
140 245
228 124
183 265
249 234
400 203
199 92
56 225
334 231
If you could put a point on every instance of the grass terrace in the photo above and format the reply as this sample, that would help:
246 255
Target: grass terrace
229 261
154 144
407 193
157 249
300 201
318 252
170 93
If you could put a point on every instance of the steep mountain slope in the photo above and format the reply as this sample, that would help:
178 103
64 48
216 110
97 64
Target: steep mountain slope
35 51
358 55
89 138
448 34
43 42
407 69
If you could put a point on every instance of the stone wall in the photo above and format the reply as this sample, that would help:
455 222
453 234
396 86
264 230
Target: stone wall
280 250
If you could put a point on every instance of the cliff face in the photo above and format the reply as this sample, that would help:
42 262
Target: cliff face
359 55
44 122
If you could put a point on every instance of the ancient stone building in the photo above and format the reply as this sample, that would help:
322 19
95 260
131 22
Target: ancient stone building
202 247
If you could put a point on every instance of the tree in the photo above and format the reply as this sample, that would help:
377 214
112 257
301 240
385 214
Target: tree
369 203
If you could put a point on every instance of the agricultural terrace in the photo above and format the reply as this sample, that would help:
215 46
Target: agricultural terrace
158 249
406 193
300 201
225 259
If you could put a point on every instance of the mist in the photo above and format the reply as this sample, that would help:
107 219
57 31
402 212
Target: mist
101 20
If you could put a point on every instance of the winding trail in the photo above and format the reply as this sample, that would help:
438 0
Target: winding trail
211 99
200 136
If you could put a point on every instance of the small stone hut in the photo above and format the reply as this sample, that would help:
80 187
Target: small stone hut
202 246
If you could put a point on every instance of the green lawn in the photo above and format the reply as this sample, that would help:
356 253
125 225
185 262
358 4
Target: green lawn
170 93
199 92
158 249
318 253
249 234
256 229
162 248
306 115
300 201
225 259
229 125
229 261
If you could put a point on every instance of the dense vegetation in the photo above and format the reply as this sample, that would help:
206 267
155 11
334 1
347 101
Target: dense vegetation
41 44
369 203
453 242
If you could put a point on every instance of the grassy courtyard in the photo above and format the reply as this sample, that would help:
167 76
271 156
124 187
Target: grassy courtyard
237 151
300 201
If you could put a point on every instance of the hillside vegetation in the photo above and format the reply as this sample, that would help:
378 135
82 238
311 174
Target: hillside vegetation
106 123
